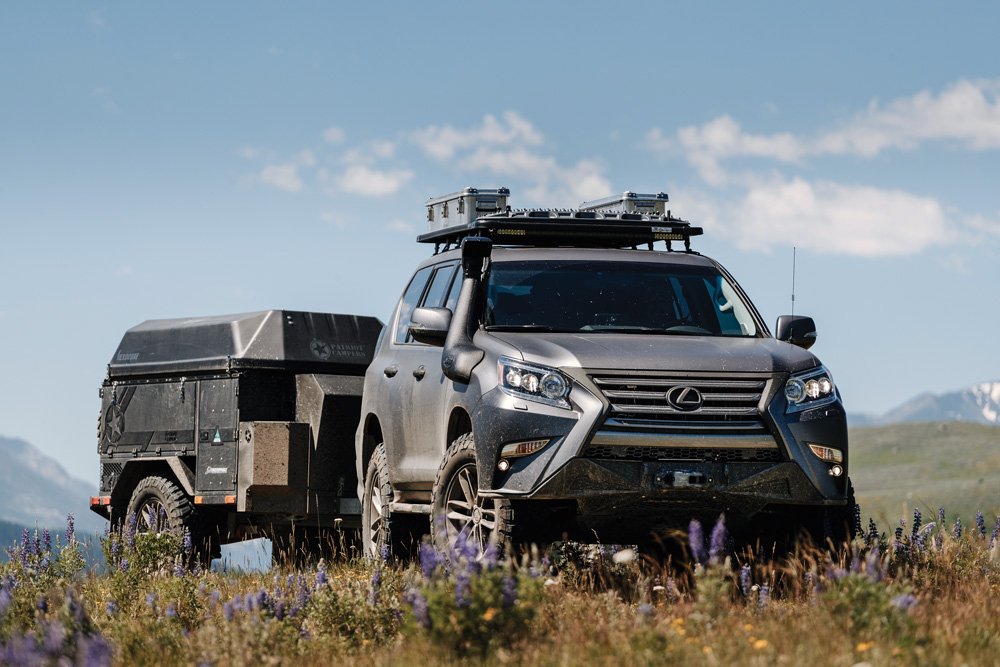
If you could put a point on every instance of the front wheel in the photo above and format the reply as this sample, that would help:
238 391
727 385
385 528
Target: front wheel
457 509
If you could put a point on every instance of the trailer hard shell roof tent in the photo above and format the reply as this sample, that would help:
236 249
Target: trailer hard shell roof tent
271 339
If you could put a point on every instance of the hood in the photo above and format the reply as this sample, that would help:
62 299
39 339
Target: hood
609 351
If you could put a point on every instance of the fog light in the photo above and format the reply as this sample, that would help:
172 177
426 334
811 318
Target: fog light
526 448
828 454
836 471
503 465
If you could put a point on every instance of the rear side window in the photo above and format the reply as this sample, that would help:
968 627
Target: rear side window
438 290
409 301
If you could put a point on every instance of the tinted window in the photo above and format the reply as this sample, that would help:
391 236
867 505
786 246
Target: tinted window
439 287
622 297
409 301
456 288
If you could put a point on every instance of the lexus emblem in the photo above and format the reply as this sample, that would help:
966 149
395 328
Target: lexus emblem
684 398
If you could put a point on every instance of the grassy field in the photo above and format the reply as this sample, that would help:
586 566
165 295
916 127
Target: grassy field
903 467
924 591
924 596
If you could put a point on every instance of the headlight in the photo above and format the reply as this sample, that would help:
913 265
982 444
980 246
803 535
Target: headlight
806 390
534 383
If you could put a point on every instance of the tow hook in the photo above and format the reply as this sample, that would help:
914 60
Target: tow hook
679 479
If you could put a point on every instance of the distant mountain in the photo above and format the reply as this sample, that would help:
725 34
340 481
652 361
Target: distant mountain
36 491
979 404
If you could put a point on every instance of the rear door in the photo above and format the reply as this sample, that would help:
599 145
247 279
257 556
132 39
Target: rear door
424 389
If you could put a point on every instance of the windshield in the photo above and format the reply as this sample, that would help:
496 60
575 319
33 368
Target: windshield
616 297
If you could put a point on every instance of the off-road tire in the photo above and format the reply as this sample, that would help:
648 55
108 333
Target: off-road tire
839 524
177 516
458 467
389 534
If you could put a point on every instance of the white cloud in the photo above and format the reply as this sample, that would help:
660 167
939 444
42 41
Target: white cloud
103 96
400 226
442 143
368 182
249 153
831 218
966 113
282 176
334 135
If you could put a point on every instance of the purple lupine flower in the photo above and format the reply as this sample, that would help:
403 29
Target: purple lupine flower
229 610
96 651
186 544
5 601
904 602
111 608
214 598
856 520
508 592
996 532
179 570
36 545
491 556
981 524
874 567
941 516
465 548
763 596
872 537
171 611
917 520
745 580
131 525
956 530
42 604
374 587
463 597
321 574
46 541
939 541
717 541
418 603
54 638
696 541
23 550
646 610
70 528
430 559
280 610
384 553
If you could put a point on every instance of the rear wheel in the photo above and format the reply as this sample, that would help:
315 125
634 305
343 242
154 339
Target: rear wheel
458 509
383 532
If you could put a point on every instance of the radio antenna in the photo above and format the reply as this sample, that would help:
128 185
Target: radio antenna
793 280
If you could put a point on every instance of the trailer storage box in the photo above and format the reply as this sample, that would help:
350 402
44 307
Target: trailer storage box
464 206
194 392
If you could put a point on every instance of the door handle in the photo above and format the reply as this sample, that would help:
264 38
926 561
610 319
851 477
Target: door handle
390 371
419 372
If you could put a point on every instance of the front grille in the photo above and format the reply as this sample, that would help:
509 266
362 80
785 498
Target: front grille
724 455
729 405
643 425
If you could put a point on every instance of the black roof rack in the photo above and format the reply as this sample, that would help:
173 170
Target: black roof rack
580 229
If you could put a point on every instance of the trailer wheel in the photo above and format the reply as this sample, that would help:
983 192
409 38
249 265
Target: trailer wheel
384 533
160 505
457 509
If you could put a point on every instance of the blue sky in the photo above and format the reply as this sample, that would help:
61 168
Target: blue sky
190 159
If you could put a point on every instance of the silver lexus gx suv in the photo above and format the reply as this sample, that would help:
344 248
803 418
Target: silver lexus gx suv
554 374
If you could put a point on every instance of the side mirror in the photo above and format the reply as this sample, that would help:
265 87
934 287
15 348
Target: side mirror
430 325
797 330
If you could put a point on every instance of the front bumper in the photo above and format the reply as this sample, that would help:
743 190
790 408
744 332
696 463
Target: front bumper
787 475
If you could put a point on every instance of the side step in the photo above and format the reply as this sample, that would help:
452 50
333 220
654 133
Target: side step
410 508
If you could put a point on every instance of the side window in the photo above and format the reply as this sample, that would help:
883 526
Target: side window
456 287
439 287
409 301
